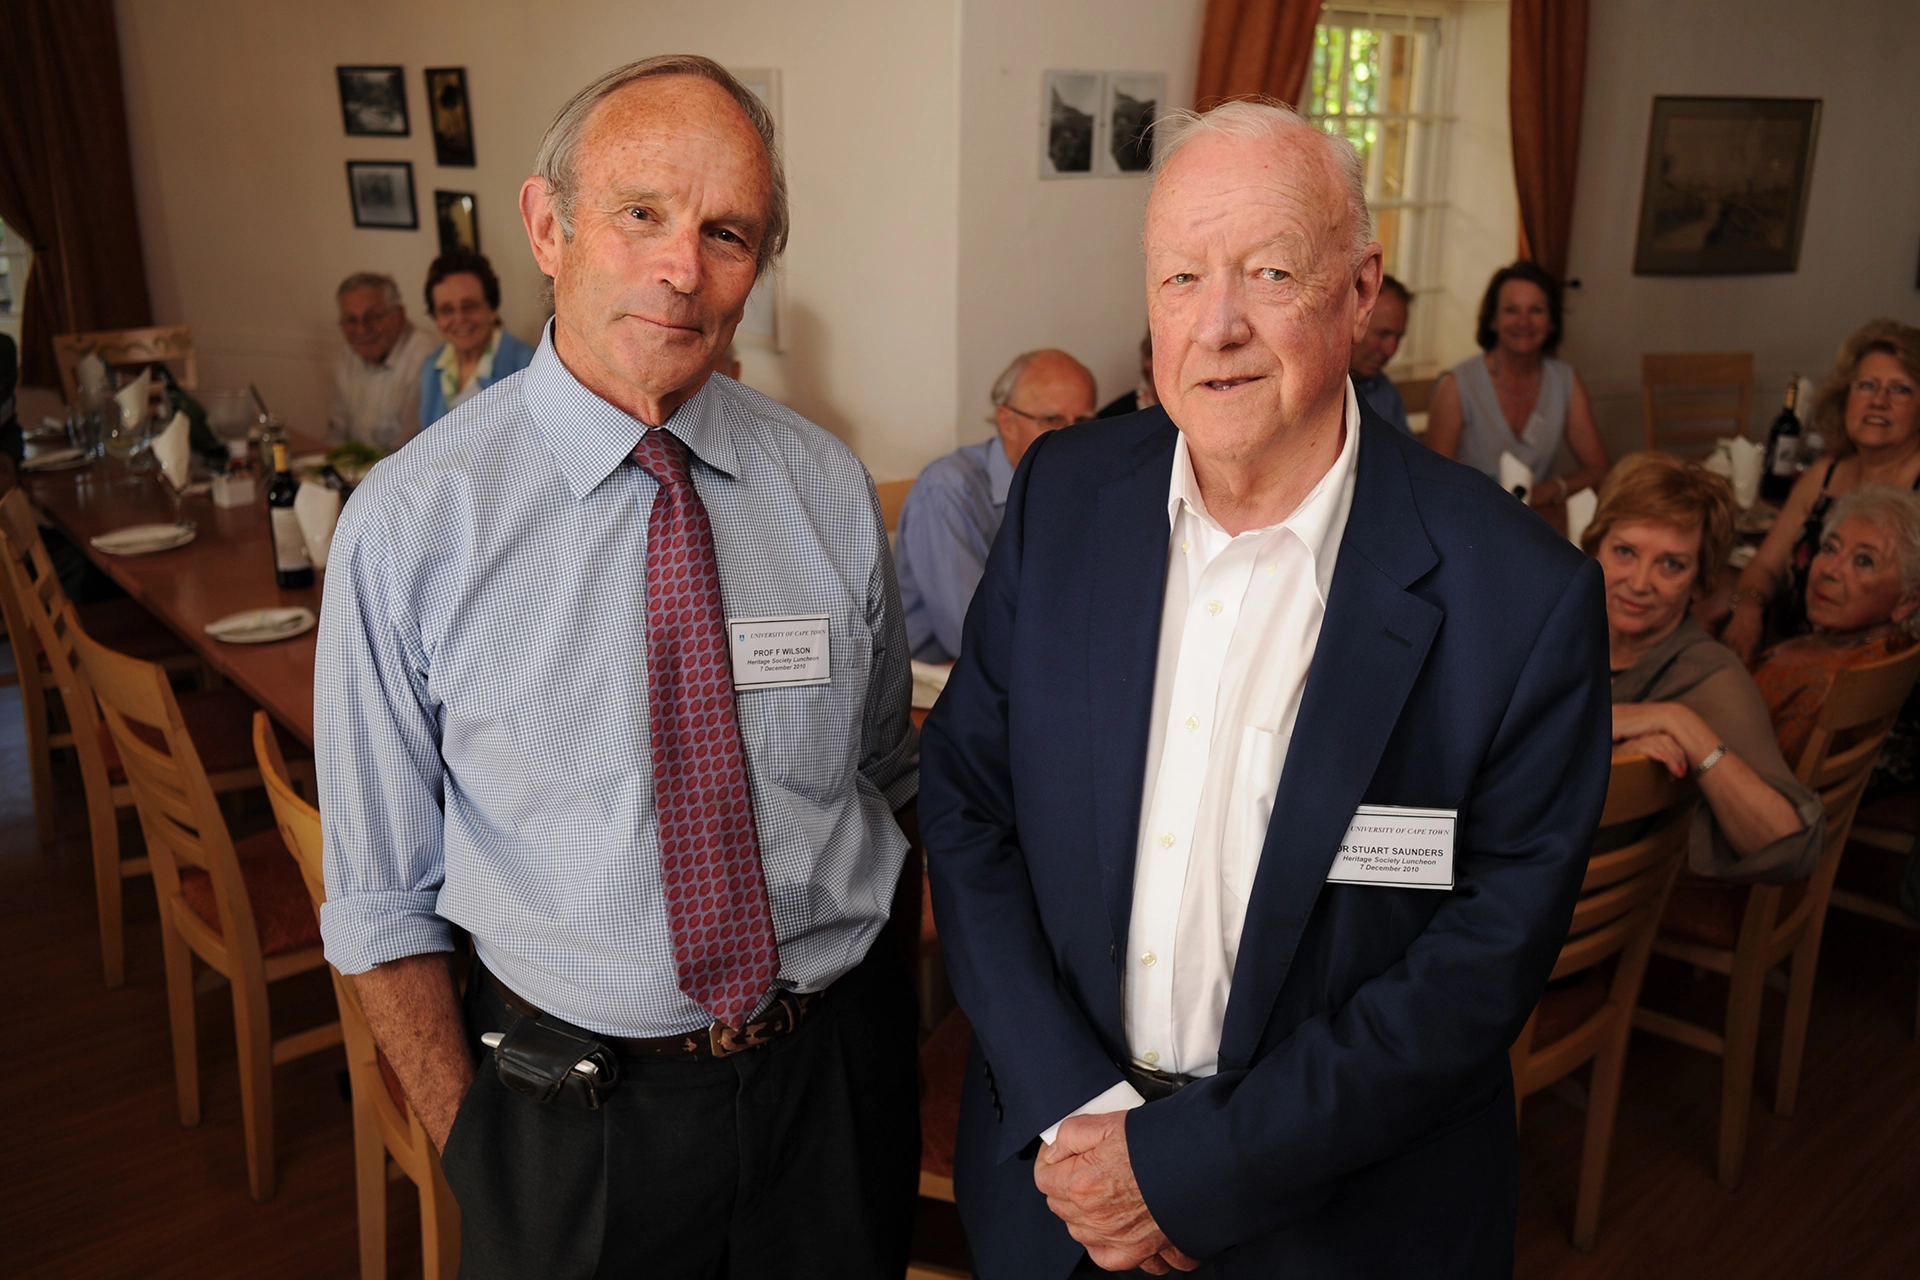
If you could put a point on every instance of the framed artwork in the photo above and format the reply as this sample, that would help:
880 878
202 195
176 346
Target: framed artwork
763 323
458 219
1726 185
1128 109
373 101
382 192
1070 107
452 117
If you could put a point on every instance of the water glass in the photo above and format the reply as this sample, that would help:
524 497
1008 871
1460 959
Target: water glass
84 430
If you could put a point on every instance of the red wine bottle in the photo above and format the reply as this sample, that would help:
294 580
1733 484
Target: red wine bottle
1783 449
292 569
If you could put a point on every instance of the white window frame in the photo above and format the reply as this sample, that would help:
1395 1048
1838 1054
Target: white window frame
16 261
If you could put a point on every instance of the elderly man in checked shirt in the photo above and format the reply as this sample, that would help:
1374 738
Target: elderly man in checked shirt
612 675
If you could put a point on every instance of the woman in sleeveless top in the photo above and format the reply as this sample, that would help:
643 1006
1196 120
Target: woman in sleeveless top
1517 398
1867 407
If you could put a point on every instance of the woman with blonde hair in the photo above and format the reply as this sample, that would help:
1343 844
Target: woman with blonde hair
1866 408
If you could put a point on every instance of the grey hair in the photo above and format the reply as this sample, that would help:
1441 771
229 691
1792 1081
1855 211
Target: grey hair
1896 513
557 162
1263 120
1009 379
389 291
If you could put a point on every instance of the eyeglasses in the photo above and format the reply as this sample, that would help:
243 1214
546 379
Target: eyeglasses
1870 387
1051 421
367 321
471 307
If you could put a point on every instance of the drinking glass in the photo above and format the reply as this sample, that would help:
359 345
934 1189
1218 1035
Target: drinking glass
126 440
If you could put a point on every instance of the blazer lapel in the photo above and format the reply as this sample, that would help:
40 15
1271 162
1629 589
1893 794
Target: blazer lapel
1123 646
1372 645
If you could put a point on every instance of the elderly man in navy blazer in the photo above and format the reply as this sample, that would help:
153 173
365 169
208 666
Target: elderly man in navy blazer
1261 795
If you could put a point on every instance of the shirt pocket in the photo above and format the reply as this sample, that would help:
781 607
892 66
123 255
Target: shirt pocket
1256 777
807 738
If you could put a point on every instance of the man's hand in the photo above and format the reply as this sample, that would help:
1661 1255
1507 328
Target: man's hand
414 1013
1088 1181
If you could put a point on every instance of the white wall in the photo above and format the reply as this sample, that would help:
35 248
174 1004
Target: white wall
1862 237
239 163
1051 263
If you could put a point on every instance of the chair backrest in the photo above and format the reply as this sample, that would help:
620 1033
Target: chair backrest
121 348
299 822
1625 888
893 496
1693 400
179 815
1416 393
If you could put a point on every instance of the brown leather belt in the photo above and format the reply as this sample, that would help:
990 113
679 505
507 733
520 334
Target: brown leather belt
788 1011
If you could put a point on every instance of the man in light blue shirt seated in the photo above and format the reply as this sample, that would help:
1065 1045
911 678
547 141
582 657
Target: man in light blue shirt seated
953 511
1373 352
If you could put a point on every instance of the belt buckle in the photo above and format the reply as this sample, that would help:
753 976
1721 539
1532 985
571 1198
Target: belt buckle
724 1041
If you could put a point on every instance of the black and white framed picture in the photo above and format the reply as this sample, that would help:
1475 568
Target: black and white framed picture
459 221
1069 117
373 101
1128 109
382 192
452 116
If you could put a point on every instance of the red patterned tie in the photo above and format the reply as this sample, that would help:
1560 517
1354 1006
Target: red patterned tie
723 944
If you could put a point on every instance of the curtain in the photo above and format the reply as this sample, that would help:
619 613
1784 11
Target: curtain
66 176
1547 81
1255 47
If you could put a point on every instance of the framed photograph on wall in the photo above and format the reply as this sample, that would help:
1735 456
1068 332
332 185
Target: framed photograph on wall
373 101
1070 105
459 221
1131 104
382 192
452 117
1726 185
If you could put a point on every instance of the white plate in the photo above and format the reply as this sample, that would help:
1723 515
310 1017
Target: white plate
55 460
144 539
262 626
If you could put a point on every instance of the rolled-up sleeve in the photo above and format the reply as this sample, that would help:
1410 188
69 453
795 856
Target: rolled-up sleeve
890 745
377 750
1731 704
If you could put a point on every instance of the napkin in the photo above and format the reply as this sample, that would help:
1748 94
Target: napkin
94 379
1515 475
1580 509
132 400
317 508
260 622
1744 458
171 447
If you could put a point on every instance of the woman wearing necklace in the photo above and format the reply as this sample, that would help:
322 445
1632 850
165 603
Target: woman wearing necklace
1661 535
1867 407
1516 398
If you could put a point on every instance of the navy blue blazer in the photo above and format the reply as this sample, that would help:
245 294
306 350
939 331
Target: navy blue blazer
1362 1120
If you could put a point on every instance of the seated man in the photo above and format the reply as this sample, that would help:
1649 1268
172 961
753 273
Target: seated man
953 510
1142 395
1385 328
376 380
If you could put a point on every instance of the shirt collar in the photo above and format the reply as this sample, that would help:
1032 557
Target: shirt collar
590 437
1319 519
999 472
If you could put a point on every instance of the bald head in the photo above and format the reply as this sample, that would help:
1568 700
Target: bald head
1040 391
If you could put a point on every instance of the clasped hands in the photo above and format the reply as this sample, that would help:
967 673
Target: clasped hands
1088 1181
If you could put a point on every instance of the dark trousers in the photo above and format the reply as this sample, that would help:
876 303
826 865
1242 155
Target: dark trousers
797 1159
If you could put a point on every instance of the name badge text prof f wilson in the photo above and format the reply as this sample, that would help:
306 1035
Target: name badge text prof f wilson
777 653
1388 845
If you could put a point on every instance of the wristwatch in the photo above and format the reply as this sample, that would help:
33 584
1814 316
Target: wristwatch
1712 759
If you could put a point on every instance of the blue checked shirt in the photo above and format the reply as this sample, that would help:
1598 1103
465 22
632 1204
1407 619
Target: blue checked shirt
480 700
947 525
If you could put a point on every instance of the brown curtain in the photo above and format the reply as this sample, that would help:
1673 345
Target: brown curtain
1547 80
1255 47
66 179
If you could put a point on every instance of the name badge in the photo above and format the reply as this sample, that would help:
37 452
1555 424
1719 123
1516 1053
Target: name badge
1407 848
776 653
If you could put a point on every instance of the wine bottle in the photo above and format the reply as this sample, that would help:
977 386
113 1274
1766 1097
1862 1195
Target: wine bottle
291 567
1783 448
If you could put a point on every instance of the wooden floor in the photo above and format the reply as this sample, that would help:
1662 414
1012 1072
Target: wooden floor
98 1180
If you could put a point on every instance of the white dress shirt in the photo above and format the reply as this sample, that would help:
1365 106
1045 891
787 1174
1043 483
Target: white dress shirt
1238 627
378 402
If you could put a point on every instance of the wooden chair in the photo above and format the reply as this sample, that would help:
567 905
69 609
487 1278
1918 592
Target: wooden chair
240 906
893 496
1891 825
1416 393
943 1068
1618 914
1693 400
383 1124
1742 932
122 348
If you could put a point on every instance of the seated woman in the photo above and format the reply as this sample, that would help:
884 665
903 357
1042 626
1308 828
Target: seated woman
463 297
1865 411
1517 398
1661 534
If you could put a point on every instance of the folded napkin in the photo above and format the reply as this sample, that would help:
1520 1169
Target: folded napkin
1516 477
144 537
95 379
132 400
52 460
260 622
317 508
175 453
1580 509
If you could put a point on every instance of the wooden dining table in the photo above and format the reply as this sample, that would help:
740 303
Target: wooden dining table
226 569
